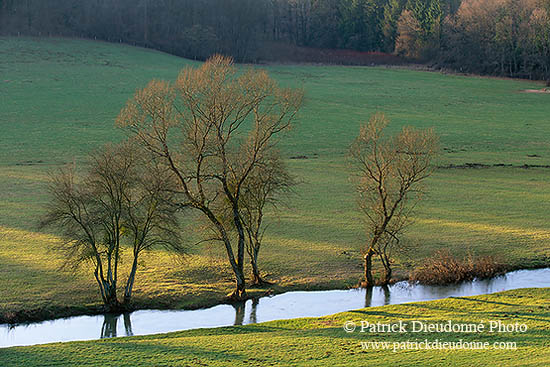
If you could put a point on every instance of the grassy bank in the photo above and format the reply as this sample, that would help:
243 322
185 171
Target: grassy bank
59 99
323 342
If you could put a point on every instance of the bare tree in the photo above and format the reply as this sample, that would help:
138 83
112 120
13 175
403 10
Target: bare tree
389 179
150 216
116 203
268 185
212 128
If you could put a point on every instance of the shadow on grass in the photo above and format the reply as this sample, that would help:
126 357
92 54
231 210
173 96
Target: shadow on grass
24 286
501 310
379 313
471 299
115 352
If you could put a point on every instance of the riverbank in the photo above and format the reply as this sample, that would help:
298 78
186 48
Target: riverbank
510 280
290 305
323 341
34 289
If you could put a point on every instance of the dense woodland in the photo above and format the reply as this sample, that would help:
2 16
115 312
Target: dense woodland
498 37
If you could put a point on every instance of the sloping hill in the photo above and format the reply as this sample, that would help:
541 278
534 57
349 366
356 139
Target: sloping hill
59 99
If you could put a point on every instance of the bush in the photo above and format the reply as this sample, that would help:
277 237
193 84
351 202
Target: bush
445 268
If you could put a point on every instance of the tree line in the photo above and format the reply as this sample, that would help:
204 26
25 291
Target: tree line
207 143
499 37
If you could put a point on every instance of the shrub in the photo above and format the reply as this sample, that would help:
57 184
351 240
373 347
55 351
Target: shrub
445 268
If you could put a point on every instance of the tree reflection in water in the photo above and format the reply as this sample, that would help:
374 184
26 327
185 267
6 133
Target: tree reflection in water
386 291
109 327
239 312
253 311
108 330
369 294
128 325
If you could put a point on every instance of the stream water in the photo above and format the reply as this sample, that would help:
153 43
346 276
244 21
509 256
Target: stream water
284 306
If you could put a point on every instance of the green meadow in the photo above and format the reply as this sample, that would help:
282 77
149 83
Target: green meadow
323 341
59 99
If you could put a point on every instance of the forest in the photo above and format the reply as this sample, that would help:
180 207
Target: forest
495 37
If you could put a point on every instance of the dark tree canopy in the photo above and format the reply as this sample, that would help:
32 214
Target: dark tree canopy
501 37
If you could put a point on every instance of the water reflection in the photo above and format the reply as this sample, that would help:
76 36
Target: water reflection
254 309
239 313
386 292
368 296
128 324
378 296
284 306
108 329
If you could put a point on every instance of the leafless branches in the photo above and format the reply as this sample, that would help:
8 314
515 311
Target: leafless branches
212 128
390 172
123 199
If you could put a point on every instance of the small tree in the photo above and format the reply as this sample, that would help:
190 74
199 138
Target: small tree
267 186
212 128
116 204
389 181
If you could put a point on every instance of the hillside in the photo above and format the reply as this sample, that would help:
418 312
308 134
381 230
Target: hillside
59 99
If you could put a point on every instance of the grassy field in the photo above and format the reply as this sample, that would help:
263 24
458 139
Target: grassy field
59 99
323 341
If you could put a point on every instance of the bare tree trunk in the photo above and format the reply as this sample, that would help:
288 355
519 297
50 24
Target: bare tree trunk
111 301
107 290
253 252
256 277
387 275
368 297
387 269
369 282
130 282
100 282
239 294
